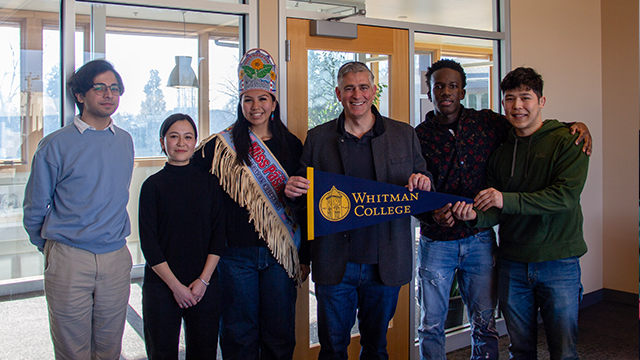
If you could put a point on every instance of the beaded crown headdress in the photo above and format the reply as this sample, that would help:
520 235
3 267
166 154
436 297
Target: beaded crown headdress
257 70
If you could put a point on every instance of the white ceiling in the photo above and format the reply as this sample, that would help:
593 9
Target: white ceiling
470 14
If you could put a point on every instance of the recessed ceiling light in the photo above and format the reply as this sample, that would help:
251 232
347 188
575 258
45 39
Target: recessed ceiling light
402 17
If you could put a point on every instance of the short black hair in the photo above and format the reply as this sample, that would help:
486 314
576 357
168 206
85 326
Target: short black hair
172 119
82 80
446 64
523 78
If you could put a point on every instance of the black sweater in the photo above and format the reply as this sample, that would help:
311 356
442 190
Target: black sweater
240 232
180 221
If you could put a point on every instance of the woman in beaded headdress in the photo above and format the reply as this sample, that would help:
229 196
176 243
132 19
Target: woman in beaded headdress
261 264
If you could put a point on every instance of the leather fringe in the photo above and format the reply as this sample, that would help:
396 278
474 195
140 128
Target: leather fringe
243 188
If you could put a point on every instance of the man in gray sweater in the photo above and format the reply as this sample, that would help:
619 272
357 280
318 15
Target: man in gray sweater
75 213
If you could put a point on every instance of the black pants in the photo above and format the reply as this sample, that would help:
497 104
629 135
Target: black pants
163 317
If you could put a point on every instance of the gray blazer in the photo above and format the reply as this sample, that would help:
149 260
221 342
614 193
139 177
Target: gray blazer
396 155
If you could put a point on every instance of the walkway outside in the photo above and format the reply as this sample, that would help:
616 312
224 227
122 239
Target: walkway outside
24 329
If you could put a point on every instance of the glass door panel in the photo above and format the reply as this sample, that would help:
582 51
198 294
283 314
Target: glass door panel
323 68
477 59
143 43
311 100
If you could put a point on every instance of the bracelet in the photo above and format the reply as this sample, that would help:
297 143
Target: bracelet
204 282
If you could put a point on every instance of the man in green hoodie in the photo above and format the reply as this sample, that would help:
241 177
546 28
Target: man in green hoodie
535 180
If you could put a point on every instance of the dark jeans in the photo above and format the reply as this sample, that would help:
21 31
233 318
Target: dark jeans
259 304
555 288
163 317
361 289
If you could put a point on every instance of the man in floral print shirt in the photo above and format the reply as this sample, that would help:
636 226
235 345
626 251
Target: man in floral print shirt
456 143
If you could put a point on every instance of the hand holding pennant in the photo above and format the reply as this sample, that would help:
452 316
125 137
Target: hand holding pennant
338 203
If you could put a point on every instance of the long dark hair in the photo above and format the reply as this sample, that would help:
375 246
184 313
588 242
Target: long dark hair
242 141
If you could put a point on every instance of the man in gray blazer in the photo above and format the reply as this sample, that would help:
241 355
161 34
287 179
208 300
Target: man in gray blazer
362 269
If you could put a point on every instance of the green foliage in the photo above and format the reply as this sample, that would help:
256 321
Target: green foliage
53 84
379 90
154 103
152 112
323 69
319 115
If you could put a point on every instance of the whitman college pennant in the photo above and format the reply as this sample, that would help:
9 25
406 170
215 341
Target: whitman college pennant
338 203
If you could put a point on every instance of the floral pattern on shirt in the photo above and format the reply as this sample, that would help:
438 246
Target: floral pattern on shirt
458 161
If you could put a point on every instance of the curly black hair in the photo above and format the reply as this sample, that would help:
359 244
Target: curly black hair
448 64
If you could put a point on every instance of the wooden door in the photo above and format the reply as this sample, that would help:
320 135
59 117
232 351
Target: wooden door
383 48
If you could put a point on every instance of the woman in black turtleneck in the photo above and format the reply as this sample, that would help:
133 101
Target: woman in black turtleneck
181 235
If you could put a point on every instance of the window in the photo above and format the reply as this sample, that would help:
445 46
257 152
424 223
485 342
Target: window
21 118
145 45
478 71
476 58
142 42
51 78
10 121
322 73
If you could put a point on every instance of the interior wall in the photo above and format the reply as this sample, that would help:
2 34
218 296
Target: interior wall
268 32
621 114
562 41
268 27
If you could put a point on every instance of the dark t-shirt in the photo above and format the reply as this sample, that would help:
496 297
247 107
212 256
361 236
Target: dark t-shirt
363 241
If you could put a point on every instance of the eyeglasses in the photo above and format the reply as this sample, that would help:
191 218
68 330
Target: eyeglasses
102 88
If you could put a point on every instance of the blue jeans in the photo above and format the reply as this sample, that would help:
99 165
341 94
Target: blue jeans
258 306
473 259
555 288
361 289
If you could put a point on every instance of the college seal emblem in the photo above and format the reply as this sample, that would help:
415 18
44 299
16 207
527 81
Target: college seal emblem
334 205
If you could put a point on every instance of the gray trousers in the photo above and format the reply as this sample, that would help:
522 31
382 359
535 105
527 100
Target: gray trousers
87 296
